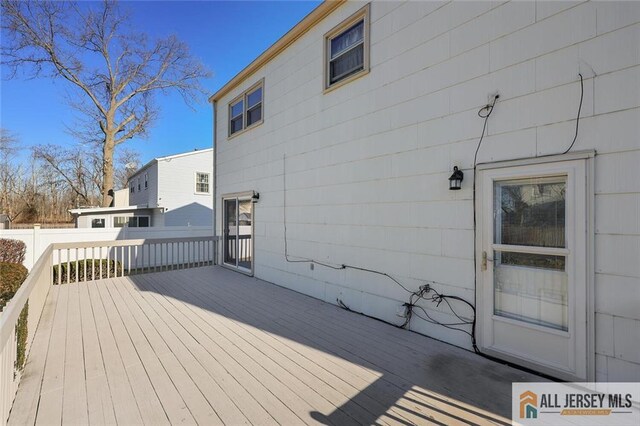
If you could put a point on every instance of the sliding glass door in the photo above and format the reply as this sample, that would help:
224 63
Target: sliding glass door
238 233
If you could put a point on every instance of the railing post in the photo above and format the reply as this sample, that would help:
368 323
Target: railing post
36 244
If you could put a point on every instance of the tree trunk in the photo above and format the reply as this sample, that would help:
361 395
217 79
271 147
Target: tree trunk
107 170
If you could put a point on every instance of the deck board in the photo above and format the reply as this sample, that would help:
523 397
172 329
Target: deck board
210 346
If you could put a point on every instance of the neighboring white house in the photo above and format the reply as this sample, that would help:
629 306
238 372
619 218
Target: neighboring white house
345 133
113 217
167 191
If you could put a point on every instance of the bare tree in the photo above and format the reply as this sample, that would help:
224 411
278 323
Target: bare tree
10 171
77 169
127 162
115 71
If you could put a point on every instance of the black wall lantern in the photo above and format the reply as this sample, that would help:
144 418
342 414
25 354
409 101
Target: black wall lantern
455 181
255 197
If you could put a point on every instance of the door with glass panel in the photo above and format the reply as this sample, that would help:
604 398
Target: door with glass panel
532 296
238 233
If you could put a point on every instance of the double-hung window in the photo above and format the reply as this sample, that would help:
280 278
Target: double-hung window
245 111
146 180
347 49
202 183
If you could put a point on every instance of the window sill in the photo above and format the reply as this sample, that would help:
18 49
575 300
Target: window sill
346 81
240 132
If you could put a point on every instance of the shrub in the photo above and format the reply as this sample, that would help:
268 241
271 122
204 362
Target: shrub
11 277
92 267
12 251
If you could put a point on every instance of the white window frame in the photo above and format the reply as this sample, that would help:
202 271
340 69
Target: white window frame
126 224
146 181
244 98
197 182
102 218
361 15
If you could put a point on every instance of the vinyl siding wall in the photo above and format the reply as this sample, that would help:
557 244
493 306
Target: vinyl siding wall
176 190
148 196
367 164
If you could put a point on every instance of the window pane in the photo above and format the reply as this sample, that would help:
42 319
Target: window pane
347 64
133 222
97 223
143 222
236 109
254 97
531 260
347 39
119 221
530 212
236 124
254 115
531 288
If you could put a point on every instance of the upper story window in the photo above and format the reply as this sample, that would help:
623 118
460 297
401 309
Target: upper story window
146 180
131 188
245 111
347 49
202 183
138 184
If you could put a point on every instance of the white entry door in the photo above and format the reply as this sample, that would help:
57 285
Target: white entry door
532 294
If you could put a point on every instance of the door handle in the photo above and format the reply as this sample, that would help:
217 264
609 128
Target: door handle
483 265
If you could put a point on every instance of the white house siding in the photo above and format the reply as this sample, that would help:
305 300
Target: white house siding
148 196
85 221
367 163
177 190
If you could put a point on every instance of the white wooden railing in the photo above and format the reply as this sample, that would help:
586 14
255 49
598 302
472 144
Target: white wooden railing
33 290
130 256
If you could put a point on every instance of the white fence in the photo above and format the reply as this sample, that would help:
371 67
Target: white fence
130 256
37 240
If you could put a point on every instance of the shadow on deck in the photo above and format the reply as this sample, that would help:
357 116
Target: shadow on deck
211 346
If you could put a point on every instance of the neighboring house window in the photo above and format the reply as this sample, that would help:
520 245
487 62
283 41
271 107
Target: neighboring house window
97 223
131 188
131 221
143 221
138 184
120 221
202 183
347 49
146 180
246 110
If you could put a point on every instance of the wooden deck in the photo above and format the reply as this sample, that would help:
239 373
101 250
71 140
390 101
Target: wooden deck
211 346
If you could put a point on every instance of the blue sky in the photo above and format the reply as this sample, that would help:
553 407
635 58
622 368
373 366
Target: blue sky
225 35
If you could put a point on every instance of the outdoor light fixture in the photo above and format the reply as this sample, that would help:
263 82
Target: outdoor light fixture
455 180
255 197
